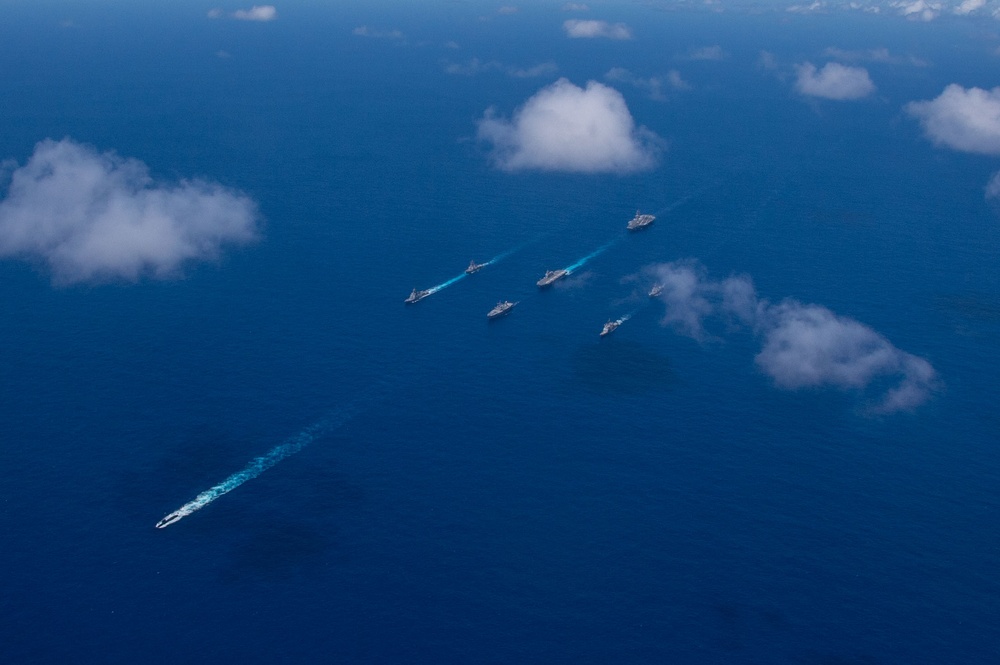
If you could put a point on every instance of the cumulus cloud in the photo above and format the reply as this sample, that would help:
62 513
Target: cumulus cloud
91 216
802 345
993 187
582 29
767 60
816 6
476 66
963 119
969 6
365 31
880 55
685 293
654 85
567 128
918 10
833 81
255 13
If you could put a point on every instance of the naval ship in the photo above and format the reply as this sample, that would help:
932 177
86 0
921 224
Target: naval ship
474 267
501 309
610 327
656 290
639 221
551 276
417 296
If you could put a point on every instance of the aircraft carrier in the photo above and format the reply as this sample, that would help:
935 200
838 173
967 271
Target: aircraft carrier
640 221
551 277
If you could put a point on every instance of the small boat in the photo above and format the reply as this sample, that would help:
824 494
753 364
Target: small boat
501 309
474 267
656 290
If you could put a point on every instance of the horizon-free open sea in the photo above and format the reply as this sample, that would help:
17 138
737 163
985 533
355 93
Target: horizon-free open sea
518 491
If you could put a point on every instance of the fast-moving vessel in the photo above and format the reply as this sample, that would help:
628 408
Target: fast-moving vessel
474 267
639 221
656 290
610 327
417 296
501 309
169 519
551 276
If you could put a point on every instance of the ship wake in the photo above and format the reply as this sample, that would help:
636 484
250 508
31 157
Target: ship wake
259 465
593 255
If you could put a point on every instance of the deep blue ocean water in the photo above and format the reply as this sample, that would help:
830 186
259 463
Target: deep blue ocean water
521 491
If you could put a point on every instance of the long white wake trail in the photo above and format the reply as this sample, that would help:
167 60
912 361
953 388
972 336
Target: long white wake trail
261 464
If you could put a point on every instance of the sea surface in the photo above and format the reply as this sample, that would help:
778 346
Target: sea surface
520 491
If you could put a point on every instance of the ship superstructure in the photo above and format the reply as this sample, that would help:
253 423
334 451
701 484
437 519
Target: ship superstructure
474 267
417 296
501 309
640 221
551 276
610 327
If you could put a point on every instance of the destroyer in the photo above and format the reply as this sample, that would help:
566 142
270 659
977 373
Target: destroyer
551 276
501 309
474 267
656 290
639 221
417 296
610 327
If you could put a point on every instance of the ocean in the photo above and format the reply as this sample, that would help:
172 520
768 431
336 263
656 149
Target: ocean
519 490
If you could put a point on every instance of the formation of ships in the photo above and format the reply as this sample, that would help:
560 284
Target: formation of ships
637 223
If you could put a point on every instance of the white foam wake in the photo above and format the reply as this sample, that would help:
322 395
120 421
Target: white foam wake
261 464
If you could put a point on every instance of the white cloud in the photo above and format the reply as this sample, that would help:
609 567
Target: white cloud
993 187
676 82
834 81
654 85
575 7
685 294
963 119
802 346
508 9
918 10
880 55
567 128
767 60
808 346
365 31
92 216
579 28
476 66
707 53
806 9
969 6
255 13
